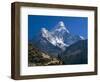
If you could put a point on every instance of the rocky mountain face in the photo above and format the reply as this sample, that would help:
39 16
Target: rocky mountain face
56 40
75 54
39 58
57 46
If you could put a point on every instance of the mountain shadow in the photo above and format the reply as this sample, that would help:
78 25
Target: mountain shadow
76 53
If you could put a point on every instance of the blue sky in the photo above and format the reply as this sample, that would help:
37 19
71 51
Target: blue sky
76 25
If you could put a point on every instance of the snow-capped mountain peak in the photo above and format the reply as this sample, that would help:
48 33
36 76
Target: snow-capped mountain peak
48 36
44 32
61 26
59 37
54 40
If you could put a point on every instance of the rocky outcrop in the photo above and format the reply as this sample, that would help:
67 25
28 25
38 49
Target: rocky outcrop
39 58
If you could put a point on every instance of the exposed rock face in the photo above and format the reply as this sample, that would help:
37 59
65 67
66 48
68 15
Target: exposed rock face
57 47
39 58
76 53
56 40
